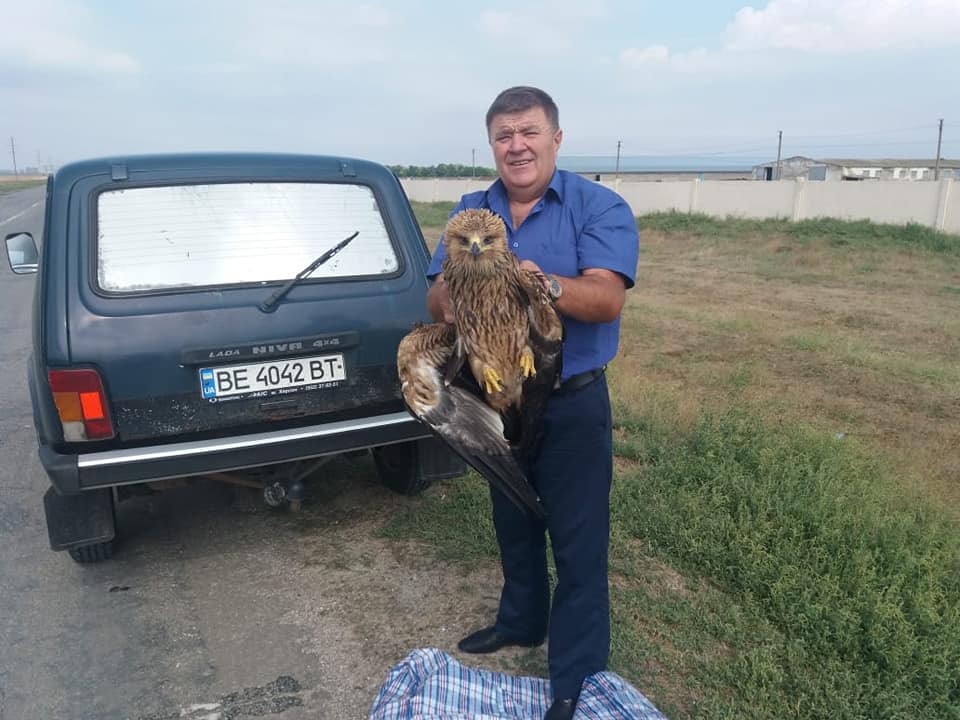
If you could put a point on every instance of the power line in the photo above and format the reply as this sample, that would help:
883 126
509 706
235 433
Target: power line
861 133
799 144
660 153
874 144
739 147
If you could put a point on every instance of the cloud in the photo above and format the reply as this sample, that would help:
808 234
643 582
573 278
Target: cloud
784 31
326 35
659 56
542 28
59 36
836 26
513 29
652 55
367 15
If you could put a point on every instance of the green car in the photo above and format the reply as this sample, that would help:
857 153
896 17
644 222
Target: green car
206 314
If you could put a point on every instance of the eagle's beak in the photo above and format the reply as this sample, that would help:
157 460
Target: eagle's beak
475 248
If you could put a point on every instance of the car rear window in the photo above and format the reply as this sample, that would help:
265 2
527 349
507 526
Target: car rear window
181 236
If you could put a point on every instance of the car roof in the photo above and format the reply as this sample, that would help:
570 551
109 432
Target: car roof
235 165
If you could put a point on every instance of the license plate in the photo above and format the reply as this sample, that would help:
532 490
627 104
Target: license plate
271 377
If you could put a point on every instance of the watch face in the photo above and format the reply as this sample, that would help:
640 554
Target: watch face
555 288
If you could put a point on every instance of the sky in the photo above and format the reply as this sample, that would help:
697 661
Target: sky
410 82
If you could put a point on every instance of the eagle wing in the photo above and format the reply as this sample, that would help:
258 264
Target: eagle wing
455 411
546 343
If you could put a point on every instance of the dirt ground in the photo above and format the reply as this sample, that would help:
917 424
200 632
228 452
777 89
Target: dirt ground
216 606
381 598
355 603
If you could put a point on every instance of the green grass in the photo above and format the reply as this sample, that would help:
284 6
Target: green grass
785 510
815 342
891 362
860 588
441 524
809 587
15 185
432 214
860 233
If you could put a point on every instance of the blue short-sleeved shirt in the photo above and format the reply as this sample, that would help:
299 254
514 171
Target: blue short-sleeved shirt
576 225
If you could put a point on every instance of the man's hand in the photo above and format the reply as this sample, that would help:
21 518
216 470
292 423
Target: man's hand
438 301
534 268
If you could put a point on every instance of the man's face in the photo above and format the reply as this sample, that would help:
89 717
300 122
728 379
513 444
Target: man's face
525 148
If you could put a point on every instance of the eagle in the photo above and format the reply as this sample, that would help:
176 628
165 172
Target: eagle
481 383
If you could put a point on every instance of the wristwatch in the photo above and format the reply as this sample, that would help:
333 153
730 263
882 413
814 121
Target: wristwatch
556 289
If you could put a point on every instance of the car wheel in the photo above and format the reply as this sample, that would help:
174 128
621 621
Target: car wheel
94 553
398 467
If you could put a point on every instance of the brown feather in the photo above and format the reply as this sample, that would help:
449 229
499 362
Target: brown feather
491 324
510 334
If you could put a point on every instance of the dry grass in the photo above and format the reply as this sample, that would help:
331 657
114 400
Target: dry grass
10 184
787 404
860 342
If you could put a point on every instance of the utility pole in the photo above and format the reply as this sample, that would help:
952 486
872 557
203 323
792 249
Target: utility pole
619 143
779 146
473 153
936 168
13 151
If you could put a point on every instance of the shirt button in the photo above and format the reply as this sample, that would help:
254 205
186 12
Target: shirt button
516 244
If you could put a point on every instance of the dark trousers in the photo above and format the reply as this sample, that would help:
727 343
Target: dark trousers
572 471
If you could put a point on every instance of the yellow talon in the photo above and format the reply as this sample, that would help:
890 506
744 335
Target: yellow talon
526 364
491 381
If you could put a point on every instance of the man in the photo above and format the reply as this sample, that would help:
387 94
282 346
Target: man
583 238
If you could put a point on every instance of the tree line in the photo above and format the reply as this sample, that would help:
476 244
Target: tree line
441 170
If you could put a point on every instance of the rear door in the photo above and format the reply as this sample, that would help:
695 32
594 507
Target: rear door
174 265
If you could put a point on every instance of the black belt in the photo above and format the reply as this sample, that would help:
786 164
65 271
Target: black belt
575 382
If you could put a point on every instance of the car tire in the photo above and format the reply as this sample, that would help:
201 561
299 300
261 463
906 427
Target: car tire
94 553
398 467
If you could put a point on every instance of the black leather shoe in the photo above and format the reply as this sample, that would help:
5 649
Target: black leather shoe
489 640
562 709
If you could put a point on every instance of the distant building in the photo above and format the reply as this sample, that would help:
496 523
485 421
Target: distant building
799 166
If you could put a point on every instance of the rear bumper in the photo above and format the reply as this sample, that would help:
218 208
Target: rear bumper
71 474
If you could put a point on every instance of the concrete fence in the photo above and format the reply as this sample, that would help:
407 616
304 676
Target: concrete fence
935 204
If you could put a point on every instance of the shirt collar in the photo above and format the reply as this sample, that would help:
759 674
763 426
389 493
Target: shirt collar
556 184
497 193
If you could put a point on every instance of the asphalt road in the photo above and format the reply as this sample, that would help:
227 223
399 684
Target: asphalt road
214 606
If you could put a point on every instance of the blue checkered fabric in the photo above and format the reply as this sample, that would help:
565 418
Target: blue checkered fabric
430 685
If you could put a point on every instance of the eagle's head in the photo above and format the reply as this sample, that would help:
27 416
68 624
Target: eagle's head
476 236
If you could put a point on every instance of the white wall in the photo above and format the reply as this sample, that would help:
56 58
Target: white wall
949 210
936 204
436 189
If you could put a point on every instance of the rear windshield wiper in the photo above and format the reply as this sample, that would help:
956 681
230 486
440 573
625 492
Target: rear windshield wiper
270 304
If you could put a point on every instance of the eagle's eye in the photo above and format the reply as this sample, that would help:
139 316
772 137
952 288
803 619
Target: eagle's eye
464 241
487 240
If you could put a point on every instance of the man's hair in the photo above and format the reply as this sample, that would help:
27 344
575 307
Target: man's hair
520 99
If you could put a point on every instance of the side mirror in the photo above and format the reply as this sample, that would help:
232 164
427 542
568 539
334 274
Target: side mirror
22 253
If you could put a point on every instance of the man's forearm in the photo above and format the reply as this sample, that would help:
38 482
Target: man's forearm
595 296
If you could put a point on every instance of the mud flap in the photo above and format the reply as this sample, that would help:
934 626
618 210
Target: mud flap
83 519
437 461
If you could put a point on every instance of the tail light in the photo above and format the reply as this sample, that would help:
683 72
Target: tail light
81 404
